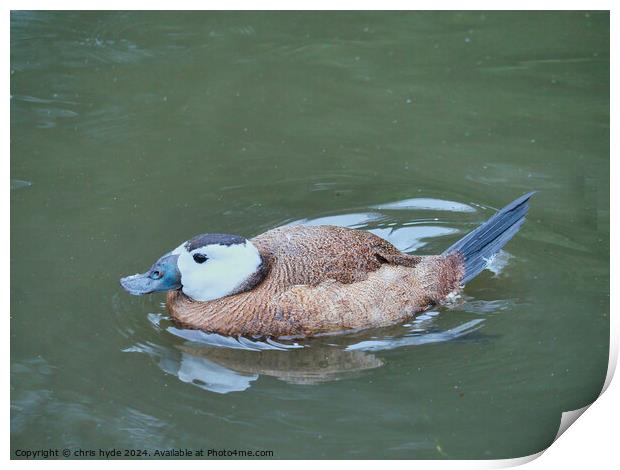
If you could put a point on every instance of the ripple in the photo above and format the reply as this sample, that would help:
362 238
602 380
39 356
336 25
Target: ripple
220 341
34 99
19 184
45 112
214 339
48 40
412 238
417 340
419 203
342 220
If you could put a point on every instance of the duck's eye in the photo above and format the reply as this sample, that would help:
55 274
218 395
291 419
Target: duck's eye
200 258
156 275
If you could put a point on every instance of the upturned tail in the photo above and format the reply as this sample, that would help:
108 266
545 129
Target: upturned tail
479 246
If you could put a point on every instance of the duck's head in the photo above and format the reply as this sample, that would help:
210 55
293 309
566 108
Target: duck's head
207 267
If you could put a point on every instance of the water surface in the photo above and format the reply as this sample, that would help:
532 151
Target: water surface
133 131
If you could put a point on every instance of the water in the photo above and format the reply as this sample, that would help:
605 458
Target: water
131 132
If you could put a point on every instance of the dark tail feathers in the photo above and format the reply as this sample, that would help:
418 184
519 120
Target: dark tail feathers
479 246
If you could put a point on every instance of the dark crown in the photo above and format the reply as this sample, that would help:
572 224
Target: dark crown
213 239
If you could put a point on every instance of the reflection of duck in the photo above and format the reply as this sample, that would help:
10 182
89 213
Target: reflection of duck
224 370
301 366
223 364
300 281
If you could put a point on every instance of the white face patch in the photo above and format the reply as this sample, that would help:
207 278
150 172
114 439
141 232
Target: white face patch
223 271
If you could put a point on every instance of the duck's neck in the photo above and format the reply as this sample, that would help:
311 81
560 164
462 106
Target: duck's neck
253 280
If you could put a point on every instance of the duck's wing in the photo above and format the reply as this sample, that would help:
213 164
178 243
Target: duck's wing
310 255
386 296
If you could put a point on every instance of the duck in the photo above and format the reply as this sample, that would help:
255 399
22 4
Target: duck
303 281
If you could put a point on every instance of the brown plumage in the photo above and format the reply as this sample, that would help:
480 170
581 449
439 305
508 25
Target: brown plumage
324 279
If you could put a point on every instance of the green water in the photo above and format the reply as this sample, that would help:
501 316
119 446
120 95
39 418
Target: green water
131 132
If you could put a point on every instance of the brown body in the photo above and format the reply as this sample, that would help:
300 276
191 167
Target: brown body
322 280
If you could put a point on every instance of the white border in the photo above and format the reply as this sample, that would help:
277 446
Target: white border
591 442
